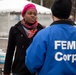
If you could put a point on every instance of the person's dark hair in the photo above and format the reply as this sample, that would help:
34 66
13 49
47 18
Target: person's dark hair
62 8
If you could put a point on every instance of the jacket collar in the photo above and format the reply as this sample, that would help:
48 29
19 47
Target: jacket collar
63 22
19 26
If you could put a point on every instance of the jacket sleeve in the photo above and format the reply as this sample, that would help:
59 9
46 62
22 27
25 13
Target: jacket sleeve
10 52
35 54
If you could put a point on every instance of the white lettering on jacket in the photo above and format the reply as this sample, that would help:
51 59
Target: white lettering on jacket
65 45
66 57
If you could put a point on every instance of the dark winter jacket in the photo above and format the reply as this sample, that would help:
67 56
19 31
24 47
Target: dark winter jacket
17 44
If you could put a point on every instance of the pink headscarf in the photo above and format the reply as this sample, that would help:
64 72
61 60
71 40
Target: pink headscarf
27 7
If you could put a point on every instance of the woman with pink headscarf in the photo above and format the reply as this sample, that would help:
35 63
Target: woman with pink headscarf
20 37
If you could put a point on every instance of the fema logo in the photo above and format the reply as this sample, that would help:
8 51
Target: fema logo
65 45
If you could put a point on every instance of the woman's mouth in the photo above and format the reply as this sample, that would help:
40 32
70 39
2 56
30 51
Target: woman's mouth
33 20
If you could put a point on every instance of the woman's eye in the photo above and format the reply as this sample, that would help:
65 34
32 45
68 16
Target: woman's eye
35 14
30 13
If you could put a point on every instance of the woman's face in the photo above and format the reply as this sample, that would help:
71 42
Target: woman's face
30 16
